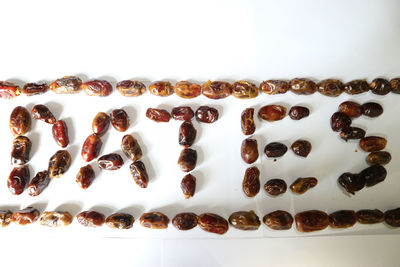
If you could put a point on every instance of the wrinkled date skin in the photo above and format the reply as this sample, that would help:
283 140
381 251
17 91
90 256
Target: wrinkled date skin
187 134
66 85
272 113
278 220
59 163
25 216
55 218
244 220
35 88
111 162
342 219
18 179
5 217
247 121
9 90
370 216
60 133
395 85
273 87
85 176
187 159
43 113
352 133
244 89
158 115
311 220
301 148
188 185
213 223
139 173
185 221
161 88
206 114
91 218
298 112
351 182
356 87
38 183
302 185
183 113
380 86
374 175
20 121
100 124
119 120
372 143
249 150
120 221
351 109
154 220
340 121
275 150
187 89
392 217
97 88
251 182
131 148
275 187
131 88
371 109
91 147
216 89
302 86
379 158
330 87
21 149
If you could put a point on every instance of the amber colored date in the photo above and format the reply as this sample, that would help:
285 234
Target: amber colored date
185 221
85 176
97 88
206 114
35 88
330 87
154 220
356 87
119 120
187 134
392 217
342 219
275 187
379 158
21 149
352 133
273 87
55 218
244 90
272 113
131 88
368 216
161 88
340 121
216 89
380 86
372 143
371 109
247 121
25 216
59 163
373 175
66 85
100 124
20 121
249 150
111 162
351 182
18 179
38 183
131 148
311 220
298 112
91 147
182 113
301 148
351 109
139 173
302 86
302 185
278 220
9 90
187 159
188 185
245 220
158 115
60 133
43 113
187 89
120 220
5 217
213 223
91 218
251 182
275 150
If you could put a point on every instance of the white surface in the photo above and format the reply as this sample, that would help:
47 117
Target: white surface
212 40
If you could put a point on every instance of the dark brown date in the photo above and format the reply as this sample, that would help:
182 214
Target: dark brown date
119 120
247 121
213 223
272 113
66 85
380 86
5 217
188 185
244 90
38 183
370 216
374 175
351 109
351 182
100 124
91 147
395 85
356 87
301 148
206 114
187 89
131 88
372 109
25 216
245 220
311 220
342 219
18 179
59 163
298 112
182 113
158 115
251 182
20 121
120 220
379 158
352 133
97 88
91 218
330 87
185 221
275 187
372 143
275 150
273 87
392 217
249 150
20 150
131 148
85 176
302 86
56 218
139 173
43 113
216 89
154 220
161 88
278 220
60 133
302 185
9 90
187 159
340 121
35 88
187 134
111 162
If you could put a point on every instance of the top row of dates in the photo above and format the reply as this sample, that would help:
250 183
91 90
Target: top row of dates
210 89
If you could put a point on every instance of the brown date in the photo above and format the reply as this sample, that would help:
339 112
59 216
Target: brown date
20 150
59 163
340 121
302 185
154 220
275 187
216 89
18 179
188 185
380 86
182 113
35 88
97 88
9 90
60 133
111 162
342 219
301 148
372 143
85 176
244 89
206 114
38 183
185 221
161 88
372 109
131 148
351 109
273 87
120 221
352 133
311 220
187 89
392 217
5 217
91 218
278 220
20 121
379 158
131 88
100 124
302 86
374 175
119 120
351 182
244 220
158 115
298 112
139 173
25 216
367 216
330 87
247 121
249 150
272 113
356 87
275 150
213 223
66 85
91 147
187 159
187 134
56 218
395 85
251 182
43 113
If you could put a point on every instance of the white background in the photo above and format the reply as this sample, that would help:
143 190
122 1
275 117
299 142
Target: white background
177 40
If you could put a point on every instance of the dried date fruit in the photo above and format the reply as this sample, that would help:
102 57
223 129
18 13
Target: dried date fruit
5 217
244 89
182 113
352 133
158 115
111 162
356 87
154 220
56 218
273 87
247 121
272 113
35 88
18 179
249 150
43 113
298 112
395 85
91 147
20 121
85 176
38 183
392 217
330 87
301 148
161 88
187 134
9 90
374 175
372 109
25 216
185 221
100 124
351 182
275 150
372 143
351 109
91 218
278 220
97 88
342 219
187 89
59 163
213 223
60 133
302 185
120 221
367 216
139 173
131 88
131 148
379 158
302 86
66 85
251 182
187 159
206 114
216 89
244 220
275 187
380 86
119 120
311 220
340 121
20 150
188 185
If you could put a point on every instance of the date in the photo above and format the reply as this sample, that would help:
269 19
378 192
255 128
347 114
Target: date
97 88
342 219
372 109
18 179
272 113
392 217
185 221
131 88
60 133
302 86
187 159
31 89
275 150
56 218
356 87
5 218
245 220
187 89
351 109
119 120
154 220
91 147
206 114
85 176
249 150
25 216
66 85
273 87
369 216
216 89
9 90
21 149
158 115
244 90
139 173
111 162
395 85
311 220
372 143
301 148
188 185
43 113
38 183
380 86
374 175
59 164
183 113
352 133
275 187
298 112
247 121
340 121
251 182
302 185
120 220
351 182
187 134
379 158
330 87
278 220
131 148
91 218
213 223
20 121
161 88
100 124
